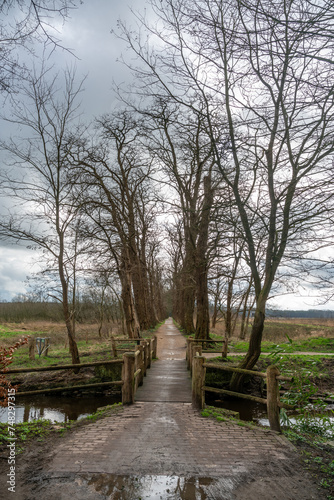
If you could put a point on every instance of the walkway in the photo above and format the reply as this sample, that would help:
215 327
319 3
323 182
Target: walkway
160 448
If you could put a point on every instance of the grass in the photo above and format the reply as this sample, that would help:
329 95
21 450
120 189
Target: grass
316 454
316 344
91 347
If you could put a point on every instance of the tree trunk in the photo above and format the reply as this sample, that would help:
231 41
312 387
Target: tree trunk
254 348
73 348
203 317
131 320
215 313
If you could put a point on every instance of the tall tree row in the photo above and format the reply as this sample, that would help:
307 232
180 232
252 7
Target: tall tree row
260 75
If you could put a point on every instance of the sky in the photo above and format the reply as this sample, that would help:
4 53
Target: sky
96 53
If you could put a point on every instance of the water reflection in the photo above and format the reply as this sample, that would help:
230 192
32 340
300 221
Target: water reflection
161 486
56 409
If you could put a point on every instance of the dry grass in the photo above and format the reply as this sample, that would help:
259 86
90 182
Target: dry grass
10 332
277 329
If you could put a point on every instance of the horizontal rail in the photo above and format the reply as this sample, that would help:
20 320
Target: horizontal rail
62 367
237 370
207 340
69 388
247 396
136 373
129 340
236 394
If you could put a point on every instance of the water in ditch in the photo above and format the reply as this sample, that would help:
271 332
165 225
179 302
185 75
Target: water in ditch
55 408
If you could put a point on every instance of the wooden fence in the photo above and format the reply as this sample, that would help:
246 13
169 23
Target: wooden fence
191 342
134 365
272 376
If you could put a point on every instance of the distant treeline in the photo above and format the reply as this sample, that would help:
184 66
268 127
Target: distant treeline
17 312
310 313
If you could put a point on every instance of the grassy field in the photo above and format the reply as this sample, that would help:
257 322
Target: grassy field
91 346
276 330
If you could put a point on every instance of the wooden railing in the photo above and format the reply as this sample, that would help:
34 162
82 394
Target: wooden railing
193 342
272 376
134 365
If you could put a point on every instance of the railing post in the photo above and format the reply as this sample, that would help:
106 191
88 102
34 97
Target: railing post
154 346
224 348
273 398
31 344
47 345
198 381
147 355
144 354
188 354
149 345
128 370
113 348
194 348
140 363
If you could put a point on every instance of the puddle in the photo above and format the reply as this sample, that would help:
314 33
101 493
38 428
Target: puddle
56 409
160 487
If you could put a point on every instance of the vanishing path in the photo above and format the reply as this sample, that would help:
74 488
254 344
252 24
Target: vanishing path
160 448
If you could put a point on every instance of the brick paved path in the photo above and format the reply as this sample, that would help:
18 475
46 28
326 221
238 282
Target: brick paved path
160 448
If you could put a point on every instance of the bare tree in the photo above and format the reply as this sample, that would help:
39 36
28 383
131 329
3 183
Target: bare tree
23 23
262 69
116 173
44 210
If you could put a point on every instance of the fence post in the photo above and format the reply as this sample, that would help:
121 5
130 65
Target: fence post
144 354
47 345
140 363
273 398
128 370
224 348
188 354
113 347
147 355
194 348
154 346
198 381
31 344
149 345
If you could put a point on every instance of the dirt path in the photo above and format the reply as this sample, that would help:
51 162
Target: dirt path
160 448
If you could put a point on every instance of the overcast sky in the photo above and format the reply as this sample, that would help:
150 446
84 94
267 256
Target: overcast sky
88 34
